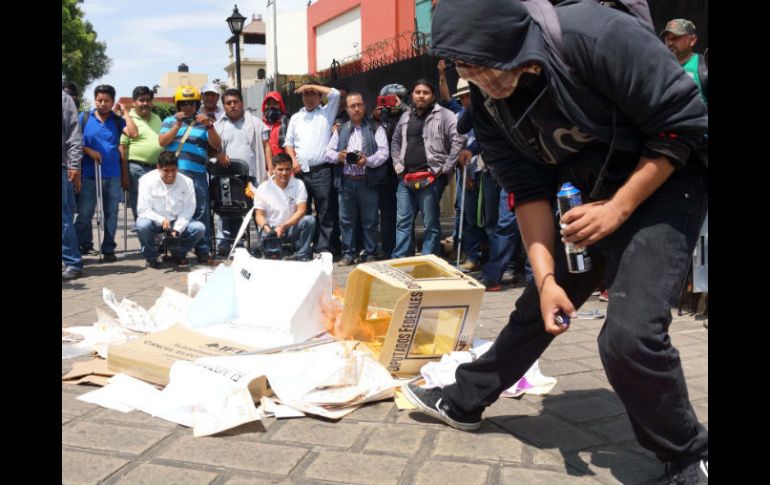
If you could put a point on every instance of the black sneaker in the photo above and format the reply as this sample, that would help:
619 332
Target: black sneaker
696 473
153 263
180 261
428 401
71 274
109 257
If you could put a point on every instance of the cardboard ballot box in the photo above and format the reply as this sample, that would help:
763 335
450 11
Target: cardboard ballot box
410 311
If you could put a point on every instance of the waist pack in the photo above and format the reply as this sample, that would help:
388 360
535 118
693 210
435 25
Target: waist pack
419 180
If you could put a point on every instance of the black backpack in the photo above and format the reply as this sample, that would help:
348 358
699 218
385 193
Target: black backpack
227 188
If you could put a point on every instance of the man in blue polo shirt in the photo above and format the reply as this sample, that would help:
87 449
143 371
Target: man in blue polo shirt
101 135
194 132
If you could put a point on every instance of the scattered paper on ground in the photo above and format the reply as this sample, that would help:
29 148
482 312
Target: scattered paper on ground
442 373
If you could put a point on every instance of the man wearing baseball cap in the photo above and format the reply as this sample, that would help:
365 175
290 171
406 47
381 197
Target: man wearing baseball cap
210 108
679 36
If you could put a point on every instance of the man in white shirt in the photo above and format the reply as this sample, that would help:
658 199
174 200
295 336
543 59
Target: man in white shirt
241 134
306 139
281 203
166 202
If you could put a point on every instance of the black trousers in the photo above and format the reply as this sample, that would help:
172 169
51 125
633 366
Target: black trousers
320 190
642 264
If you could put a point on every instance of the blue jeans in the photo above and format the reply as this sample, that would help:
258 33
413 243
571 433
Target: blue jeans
643 265
300 235
135 171
356 197
473 233
409 201
147 230
202 212
111 193
70 254
504 243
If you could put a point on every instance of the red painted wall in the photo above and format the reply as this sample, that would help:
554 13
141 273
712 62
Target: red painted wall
380 19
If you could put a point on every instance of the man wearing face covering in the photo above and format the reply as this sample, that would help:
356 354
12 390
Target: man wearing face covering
612 112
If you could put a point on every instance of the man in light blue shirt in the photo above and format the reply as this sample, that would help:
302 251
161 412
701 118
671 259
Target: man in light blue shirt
306 138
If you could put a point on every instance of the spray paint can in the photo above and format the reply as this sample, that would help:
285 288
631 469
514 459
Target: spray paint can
578 260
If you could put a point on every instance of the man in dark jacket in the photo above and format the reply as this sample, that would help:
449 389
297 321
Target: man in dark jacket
606 107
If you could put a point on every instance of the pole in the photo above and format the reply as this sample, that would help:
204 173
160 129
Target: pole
125 221
275 47
238 61
461 193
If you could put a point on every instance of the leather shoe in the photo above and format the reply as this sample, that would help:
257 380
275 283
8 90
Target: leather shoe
109 257
345 261
71 274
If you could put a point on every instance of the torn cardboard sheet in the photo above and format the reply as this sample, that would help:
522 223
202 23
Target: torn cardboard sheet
151 356
442 374
92 371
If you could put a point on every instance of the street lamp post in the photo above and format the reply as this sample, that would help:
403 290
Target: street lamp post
235 22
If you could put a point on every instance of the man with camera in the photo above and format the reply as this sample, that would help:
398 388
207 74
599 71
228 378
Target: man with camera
189 134
359 146
425 147
281 203
390 105
166 203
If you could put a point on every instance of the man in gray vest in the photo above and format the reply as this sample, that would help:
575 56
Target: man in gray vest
357 147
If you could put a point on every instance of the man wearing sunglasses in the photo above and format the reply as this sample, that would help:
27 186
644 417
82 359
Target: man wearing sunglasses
606 107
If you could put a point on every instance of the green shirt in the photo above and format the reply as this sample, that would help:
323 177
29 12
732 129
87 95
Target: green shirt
691 68
145 147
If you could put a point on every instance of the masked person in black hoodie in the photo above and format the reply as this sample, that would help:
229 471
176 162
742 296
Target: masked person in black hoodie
606 107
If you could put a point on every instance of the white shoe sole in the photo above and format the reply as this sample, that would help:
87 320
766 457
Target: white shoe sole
436 414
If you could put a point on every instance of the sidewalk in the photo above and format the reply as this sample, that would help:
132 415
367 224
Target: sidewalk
577 434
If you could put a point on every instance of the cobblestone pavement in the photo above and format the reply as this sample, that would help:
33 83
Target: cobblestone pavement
577 434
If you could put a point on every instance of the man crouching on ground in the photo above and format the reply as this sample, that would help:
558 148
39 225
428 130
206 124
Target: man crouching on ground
166 202
281 203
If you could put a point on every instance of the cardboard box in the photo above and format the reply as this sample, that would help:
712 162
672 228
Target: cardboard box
150 356
410 311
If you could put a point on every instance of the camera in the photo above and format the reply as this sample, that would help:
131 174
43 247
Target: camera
272 246
388 101
449 63
353 157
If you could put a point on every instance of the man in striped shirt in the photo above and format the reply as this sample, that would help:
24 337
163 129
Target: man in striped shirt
306 138
192 155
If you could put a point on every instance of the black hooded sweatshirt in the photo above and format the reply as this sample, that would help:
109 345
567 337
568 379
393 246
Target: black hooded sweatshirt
616 85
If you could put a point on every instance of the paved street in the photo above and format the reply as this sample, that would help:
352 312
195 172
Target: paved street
577 434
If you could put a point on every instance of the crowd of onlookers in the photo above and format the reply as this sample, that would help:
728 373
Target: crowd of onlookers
333 176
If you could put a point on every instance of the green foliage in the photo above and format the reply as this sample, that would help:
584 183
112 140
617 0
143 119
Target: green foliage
83 59
163 110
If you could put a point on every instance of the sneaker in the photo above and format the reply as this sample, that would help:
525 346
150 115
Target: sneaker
109 257
429 401
490 285
604 296
71 274
470 265
345 261
87 251
508 276
696 473
153 263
